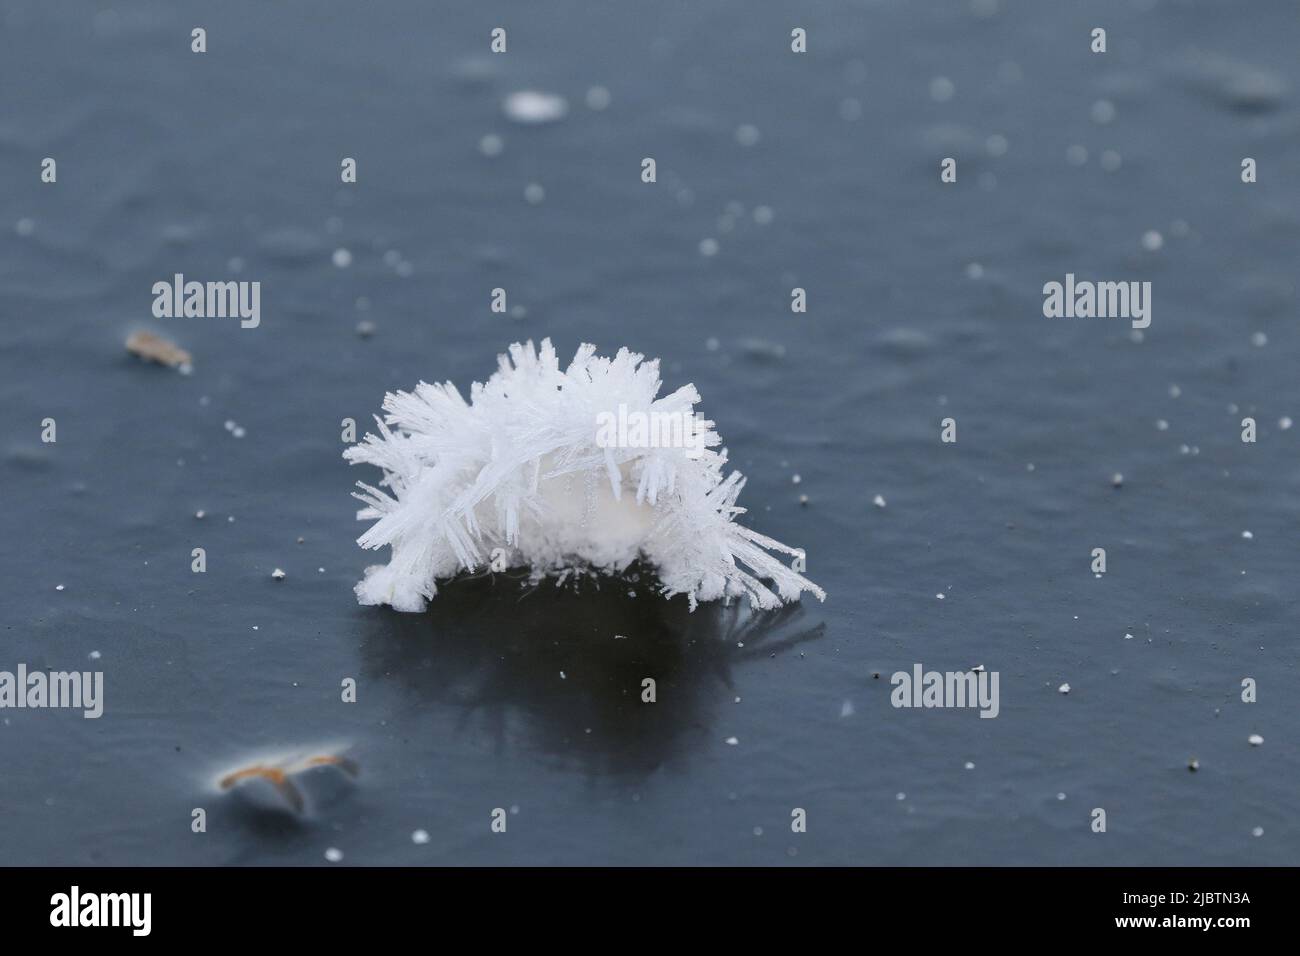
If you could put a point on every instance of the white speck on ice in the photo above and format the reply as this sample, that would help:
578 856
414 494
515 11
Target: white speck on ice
1247 535
1152 241
970 765
942 89
1103 112
846 709
1064 688
491 145
534 193
334 854
278 574
732 741
1255 740
878 501
534 106
420 836
342 258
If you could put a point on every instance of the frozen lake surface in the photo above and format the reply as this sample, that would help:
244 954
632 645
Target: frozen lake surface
775 171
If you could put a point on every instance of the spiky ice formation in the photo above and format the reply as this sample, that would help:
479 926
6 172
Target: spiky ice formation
528 473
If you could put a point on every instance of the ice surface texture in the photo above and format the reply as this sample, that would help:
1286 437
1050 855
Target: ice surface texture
521 467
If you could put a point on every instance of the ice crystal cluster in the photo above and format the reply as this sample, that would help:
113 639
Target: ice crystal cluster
520 476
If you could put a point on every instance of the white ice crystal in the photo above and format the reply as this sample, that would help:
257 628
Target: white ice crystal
520 476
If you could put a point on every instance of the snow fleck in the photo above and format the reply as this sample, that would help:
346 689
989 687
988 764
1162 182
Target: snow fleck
1103 112
334 854
1255 740
420 836
278 574
533 107
942 89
